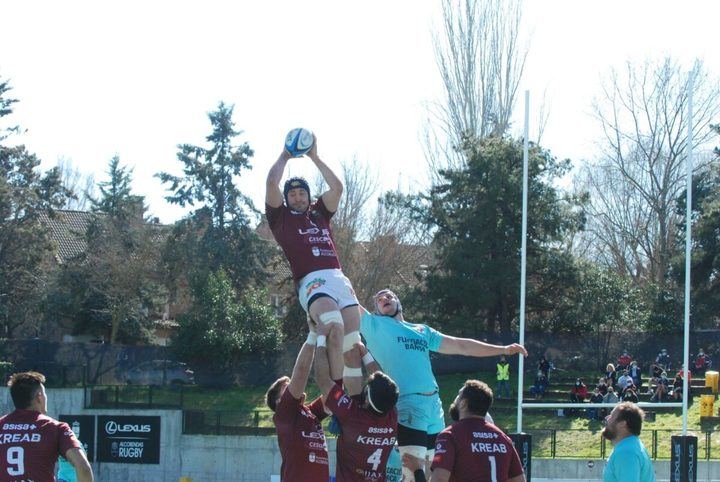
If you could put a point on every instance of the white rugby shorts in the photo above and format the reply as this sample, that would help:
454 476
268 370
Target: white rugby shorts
330 282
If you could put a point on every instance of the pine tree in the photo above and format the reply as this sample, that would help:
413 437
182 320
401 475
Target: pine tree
218 234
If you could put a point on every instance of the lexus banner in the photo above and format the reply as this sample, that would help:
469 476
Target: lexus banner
128 439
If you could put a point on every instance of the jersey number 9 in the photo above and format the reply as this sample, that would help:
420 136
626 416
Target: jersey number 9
16 461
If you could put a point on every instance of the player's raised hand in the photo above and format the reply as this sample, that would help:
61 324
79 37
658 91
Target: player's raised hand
285 155
514 349
360 346
312 153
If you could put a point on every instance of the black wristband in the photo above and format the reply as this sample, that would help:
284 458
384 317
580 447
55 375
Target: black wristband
420 476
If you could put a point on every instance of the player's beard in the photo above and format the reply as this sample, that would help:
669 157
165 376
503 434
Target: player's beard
454 412
608 433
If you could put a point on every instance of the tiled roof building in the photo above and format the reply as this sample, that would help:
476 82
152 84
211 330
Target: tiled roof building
67 231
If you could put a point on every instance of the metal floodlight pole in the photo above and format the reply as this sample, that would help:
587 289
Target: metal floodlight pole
523 263
688 237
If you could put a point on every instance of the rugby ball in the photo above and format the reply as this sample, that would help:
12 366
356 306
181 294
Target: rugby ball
298 141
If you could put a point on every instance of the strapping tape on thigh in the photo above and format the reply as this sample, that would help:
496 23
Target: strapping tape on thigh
331 317
416 451
352 372
350 340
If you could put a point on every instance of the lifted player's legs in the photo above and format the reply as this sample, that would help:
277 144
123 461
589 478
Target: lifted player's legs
325 312
352 376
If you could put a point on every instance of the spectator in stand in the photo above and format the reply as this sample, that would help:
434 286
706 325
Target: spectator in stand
676 392
503 378
654 378
623 380
624 361
611 396
680 372
661 390
635 373
596 397
540 385
602 386
544 366
629 394
610 375
702 363
579 393
663 359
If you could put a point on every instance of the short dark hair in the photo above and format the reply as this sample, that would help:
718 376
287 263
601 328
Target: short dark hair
478 395
383 392
24 387
632 415
272 393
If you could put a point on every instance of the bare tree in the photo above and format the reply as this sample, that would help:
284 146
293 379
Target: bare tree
481 65
396 254
81 185
640 167
378 246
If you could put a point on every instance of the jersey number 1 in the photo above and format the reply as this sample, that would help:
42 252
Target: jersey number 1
16 461
493 469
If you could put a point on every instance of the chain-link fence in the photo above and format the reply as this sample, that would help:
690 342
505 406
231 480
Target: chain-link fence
80 364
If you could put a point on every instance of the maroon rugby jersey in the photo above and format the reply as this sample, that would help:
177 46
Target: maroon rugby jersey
475 450
301 440
30 444
306 238
366 440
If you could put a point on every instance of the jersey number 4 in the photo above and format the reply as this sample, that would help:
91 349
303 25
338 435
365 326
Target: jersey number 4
375 459
16 461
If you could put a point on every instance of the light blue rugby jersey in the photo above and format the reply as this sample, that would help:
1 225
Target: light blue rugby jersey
403 351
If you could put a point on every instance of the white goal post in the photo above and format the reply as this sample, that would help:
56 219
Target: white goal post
523 266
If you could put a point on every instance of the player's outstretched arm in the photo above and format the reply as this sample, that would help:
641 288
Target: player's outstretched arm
331 197
273 194
451 345
371 365
303 364
78 459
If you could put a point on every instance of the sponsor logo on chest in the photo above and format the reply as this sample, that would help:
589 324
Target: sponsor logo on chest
419 344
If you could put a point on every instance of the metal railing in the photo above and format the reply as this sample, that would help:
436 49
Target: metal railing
135 396
590 444
198 422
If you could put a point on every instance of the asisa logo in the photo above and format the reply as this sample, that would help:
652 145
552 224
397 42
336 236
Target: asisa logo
313 285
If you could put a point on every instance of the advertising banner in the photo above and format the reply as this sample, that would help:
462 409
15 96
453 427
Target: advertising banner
84 428
127 439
